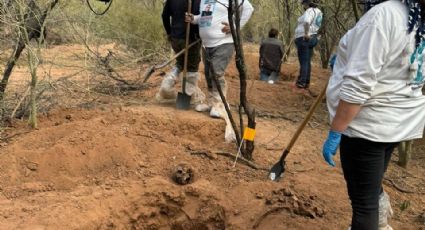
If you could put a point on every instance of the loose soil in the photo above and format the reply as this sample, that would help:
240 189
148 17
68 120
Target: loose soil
107 161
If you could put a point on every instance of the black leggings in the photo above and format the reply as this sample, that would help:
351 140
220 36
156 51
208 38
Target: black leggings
364 164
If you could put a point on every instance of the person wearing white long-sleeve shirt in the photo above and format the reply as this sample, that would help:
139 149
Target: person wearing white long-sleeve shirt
217 40
375 101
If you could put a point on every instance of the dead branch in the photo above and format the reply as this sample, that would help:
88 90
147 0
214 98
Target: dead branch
399 188
266 214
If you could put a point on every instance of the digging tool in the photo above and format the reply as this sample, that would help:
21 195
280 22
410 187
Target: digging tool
152 69
278 169
183 99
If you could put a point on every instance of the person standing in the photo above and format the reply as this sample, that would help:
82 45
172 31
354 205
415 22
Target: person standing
218 47
305 40
271 54
375 101
173 18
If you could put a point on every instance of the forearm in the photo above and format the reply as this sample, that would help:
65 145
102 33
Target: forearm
345 113
306 29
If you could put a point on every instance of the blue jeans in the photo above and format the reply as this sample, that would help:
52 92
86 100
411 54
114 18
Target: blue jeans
305 52
264 75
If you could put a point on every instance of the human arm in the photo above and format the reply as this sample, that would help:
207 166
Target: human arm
246 12
367 49
166 15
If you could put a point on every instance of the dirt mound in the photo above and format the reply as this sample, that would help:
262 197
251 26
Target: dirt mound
107 163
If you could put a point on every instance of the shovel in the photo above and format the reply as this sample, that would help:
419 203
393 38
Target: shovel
279 168
183 100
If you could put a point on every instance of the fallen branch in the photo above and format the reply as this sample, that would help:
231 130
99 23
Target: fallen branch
400 189
266 214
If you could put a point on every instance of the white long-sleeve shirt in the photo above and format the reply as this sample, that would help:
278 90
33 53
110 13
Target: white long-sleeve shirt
373 69
313 17
213 14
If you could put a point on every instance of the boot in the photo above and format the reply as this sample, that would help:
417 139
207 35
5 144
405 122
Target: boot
217 108
192 89
385 211
167 91
206 105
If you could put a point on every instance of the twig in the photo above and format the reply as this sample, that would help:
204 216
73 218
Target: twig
269 212
20 102
7 138
403 190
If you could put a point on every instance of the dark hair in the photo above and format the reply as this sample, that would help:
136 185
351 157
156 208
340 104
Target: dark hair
311 3
273 33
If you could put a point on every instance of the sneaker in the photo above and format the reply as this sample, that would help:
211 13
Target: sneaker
271 82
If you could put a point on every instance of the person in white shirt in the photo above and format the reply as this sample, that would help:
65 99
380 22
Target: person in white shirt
375 101
305 40
217 40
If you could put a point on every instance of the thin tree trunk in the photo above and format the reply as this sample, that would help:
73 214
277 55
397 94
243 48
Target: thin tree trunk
234 22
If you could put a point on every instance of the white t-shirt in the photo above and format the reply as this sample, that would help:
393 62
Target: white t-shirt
312 16
213 14
373 69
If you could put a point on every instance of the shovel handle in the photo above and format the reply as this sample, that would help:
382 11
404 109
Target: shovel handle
186 54
305 121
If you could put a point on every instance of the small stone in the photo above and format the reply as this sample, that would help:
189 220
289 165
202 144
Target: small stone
236 212
32 166
259 195
269 201
68 117
287 192
83 152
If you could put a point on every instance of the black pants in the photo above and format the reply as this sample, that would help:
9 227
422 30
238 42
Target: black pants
364 164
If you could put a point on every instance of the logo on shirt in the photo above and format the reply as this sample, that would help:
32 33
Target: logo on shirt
206 13
318 21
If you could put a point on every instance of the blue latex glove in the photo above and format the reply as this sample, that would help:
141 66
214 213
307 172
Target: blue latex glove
331 146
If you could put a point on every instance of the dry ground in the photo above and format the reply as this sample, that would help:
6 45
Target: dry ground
104 161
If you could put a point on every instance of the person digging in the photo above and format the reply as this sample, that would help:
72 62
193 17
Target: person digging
173 18
218 49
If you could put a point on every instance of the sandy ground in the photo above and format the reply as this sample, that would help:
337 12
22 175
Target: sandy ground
105 161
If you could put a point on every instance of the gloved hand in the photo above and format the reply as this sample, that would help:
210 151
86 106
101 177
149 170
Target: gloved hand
331 146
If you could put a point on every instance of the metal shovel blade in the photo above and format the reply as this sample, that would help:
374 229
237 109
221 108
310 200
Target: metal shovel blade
277 171
183 101
279 168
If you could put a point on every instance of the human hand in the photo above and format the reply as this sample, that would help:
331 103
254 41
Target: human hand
226 28
307 37
331 146
188 17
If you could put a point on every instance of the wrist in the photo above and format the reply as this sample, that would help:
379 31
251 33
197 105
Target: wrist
333 134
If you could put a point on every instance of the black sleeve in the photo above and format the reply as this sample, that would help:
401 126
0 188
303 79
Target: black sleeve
166 15
196 7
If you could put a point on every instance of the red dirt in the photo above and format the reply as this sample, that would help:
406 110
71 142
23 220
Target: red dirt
110 167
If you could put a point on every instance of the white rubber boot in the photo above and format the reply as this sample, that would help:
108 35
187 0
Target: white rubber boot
206 105
385 211
192 89
167 91
217 109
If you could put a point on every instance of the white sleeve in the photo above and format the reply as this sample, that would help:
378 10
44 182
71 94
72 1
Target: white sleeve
308 16
247 10
367 50
196 19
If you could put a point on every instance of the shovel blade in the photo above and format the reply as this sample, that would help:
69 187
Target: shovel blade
277 171
183 101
